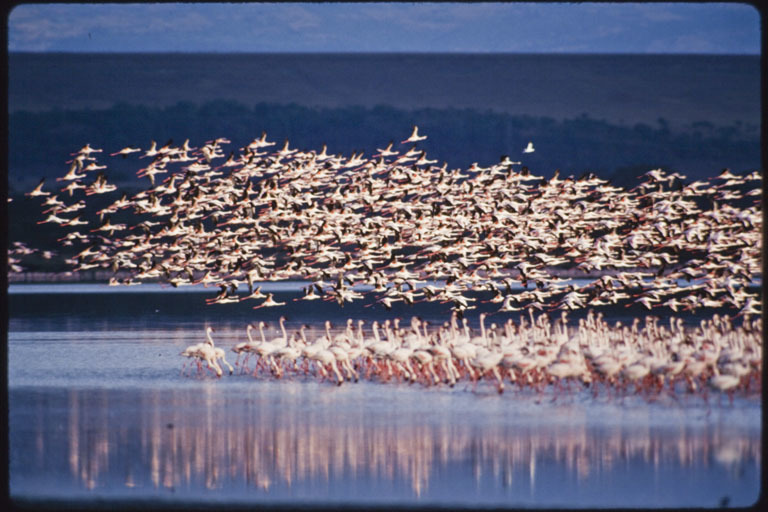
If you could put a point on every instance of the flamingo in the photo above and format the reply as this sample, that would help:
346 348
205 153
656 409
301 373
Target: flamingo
281 341
724 383
415 137
289 353
205 351
38 190
490 362
269 302
342 356
266 349
245 346
126 151
324 357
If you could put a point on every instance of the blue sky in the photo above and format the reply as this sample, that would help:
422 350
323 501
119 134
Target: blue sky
387 27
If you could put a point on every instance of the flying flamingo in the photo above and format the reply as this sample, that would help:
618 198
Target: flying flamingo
415 137
269 302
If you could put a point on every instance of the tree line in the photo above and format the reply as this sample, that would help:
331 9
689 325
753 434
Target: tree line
41 142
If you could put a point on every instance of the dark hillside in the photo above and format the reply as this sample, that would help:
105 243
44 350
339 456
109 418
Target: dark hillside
622 89
41 142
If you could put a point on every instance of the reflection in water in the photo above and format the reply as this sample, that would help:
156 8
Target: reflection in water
193 442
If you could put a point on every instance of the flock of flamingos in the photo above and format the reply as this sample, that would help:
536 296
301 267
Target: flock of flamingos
652 358
405 229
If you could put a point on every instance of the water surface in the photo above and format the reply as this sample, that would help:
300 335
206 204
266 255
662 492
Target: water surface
99 409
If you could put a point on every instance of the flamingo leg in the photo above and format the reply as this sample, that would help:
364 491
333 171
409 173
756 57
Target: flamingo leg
335 369
498 379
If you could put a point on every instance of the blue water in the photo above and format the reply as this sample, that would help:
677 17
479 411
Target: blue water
99 409
262 442
138 305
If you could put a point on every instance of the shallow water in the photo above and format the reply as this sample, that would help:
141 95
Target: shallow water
99 409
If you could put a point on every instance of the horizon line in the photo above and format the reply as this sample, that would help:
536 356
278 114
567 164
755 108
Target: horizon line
383 52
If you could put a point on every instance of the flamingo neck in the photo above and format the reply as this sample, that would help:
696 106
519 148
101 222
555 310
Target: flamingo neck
261 332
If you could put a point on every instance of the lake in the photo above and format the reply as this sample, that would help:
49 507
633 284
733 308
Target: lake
99 410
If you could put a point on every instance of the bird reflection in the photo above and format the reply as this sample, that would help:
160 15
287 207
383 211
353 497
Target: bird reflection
172 445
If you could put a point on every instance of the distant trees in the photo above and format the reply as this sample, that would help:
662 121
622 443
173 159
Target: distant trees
40 142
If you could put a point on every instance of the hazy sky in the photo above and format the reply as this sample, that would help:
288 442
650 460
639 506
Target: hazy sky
387 27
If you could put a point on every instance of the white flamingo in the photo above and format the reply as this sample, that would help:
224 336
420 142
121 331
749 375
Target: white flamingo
415 137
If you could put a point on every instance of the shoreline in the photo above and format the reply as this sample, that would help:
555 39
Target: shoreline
87 276
103 276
